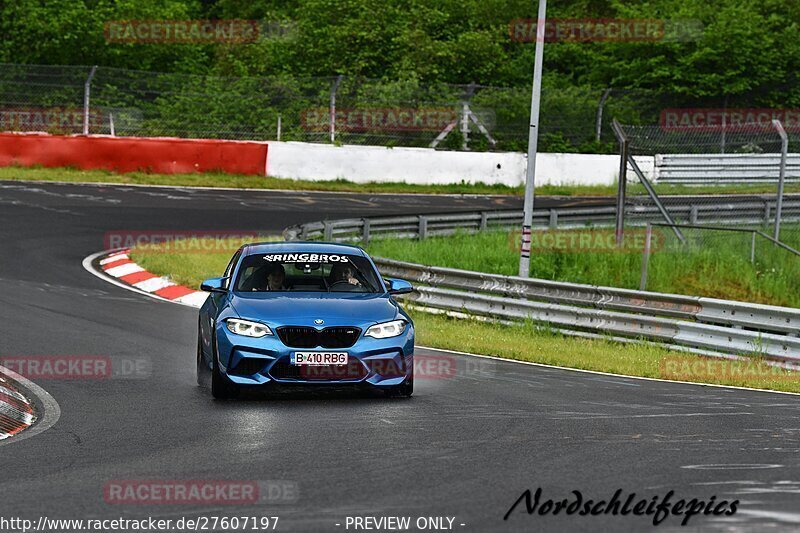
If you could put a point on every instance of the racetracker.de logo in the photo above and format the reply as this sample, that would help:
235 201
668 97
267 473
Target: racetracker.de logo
379 119
209 492
78 367
606 30
190 241
182 31
703 369
744 120
588 241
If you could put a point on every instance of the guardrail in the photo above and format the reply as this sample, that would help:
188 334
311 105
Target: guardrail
694 322
422 226
724 168
708 324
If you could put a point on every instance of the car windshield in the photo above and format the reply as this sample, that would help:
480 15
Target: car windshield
307 272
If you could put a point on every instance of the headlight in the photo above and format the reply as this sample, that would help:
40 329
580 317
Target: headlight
247 328
385 330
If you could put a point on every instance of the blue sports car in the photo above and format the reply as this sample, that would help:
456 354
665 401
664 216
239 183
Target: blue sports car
304 313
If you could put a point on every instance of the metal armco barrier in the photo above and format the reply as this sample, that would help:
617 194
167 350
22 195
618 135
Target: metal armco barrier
709 169
726 327
696 322
422 226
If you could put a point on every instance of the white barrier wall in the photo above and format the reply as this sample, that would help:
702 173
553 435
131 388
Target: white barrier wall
427 166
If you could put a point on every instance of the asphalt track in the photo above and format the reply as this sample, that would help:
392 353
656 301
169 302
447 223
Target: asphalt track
465 446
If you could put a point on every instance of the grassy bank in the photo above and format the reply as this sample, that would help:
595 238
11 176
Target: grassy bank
523 342
213 179
714 264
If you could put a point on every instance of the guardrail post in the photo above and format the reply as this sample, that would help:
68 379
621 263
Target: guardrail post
766 212
365 231
553 219
694 211
422 231
646 256
302 233
484 221
328 234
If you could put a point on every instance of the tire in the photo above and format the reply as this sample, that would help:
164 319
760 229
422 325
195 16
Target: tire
221 387
202 369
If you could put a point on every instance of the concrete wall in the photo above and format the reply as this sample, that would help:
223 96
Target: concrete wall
426 166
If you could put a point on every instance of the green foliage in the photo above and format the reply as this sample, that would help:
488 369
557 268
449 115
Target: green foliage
746 55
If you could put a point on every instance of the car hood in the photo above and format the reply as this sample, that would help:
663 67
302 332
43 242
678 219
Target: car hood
302 309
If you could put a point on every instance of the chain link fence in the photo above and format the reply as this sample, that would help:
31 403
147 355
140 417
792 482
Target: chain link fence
718 194
366 111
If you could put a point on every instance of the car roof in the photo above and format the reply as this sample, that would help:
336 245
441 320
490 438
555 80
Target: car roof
302 246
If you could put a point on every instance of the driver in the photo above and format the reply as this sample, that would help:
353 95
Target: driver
344 273
276 275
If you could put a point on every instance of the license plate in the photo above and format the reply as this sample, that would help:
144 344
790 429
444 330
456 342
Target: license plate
319 358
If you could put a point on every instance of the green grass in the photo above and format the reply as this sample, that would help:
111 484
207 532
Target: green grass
715 264
218 179
524 342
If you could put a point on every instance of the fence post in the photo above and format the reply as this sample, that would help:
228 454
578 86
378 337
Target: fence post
484 221
111 124
781 176
279 128
753 248
623 179
600 106
328 234
332 109
646 256
86 91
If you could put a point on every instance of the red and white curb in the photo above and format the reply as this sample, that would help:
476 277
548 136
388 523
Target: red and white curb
16 412
119 266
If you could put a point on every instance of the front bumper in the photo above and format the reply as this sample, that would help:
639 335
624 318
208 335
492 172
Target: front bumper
376 362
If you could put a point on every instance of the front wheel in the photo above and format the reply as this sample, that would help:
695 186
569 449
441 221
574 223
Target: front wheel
221 387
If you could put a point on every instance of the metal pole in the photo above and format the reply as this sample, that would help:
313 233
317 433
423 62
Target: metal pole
599 124
332 109
86 90
279 127
753 247
464 126
781 177
533 138
622 185
111 124
646 256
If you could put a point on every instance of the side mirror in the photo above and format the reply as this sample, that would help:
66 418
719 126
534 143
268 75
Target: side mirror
399 286
214 285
